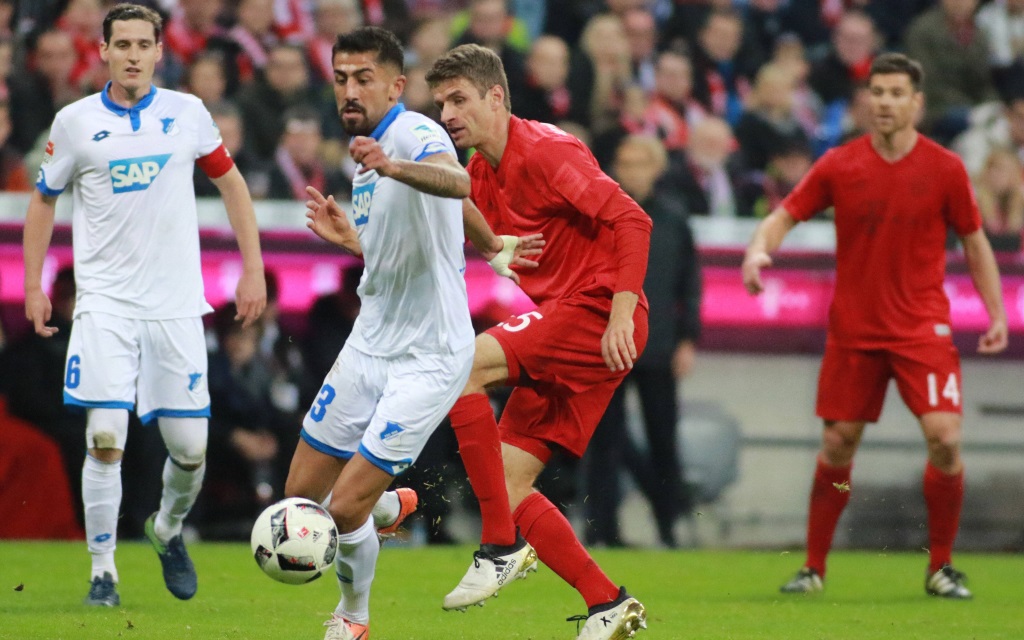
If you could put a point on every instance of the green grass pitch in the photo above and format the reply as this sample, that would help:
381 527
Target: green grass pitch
688 594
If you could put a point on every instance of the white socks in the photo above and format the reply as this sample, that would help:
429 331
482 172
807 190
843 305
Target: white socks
101 495
179 494
387 509
355 565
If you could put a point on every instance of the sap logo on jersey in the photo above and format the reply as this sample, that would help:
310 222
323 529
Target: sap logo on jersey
136 174
361 198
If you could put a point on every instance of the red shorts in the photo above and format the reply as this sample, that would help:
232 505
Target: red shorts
562 384
853 382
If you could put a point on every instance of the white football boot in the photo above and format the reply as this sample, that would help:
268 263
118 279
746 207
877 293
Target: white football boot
619 619
491 570
339 628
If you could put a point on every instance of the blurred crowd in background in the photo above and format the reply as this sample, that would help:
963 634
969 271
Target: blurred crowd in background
740 97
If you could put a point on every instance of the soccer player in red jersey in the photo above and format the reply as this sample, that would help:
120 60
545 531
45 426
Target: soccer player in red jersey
565 358
895 194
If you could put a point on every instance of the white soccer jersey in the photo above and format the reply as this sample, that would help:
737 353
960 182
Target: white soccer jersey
134 225
413 289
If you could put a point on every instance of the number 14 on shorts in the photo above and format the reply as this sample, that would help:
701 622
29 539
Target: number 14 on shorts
950 391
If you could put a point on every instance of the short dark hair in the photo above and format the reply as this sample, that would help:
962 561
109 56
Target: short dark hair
129 11
479 65
890 63
372 39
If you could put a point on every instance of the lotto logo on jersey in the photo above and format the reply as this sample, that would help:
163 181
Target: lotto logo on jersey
362 196
136 174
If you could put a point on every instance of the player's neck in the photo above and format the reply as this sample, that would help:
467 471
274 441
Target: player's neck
494 147
127 97
896 145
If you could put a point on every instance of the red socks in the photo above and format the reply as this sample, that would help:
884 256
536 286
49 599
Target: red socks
944 496
480 449
557 546
827 503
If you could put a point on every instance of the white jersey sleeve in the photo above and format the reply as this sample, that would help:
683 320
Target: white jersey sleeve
417 138
59 164
207 135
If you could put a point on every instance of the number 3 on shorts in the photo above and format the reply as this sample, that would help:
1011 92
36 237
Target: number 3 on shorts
950 392
524 321
324 398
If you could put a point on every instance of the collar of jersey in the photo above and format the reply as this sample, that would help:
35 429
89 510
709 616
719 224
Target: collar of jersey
131 112
389 117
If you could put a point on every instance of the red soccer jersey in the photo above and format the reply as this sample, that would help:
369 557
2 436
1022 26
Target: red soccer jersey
548 182
891 226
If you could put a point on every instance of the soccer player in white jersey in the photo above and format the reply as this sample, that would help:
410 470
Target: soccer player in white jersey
137 340
411 349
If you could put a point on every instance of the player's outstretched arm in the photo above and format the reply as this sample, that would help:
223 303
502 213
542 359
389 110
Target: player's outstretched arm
500 252
35 242
981 263
251 293
325 218
767 238
439 174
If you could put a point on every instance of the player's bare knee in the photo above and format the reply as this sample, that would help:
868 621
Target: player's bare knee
348 515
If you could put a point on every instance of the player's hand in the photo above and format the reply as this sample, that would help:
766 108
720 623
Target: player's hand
326 219
250 296
617 346
752 265
38 310
514 251
683 358
995 339
368 152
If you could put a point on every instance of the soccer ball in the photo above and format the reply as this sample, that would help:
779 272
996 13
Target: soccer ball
294 540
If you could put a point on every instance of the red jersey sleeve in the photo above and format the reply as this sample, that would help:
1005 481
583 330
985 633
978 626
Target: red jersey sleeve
961 212
813 194
571 172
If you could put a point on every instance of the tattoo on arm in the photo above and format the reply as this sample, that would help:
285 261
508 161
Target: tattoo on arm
446 178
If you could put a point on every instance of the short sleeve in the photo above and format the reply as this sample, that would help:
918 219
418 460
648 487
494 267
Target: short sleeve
207 134
962 212
58 167
572 173
417 138
812 194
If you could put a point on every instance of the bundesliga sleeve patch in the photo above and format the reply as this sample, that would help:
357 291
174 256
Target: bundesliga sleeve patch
425 133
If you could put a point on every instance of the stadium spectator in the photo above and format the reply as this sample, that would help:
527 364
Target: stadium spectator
13 175
763 25
36 96
232 133
642 35
416 96
547 95
807 106
566 358
294 20
721 77
604 42
297 161
787 165
190 27
1002 22
81 19
769 121
206 79
138 329
891 190
8 9
247 46
246 471
673 291
6 65
428 41
35 394
264 102
330 17
1001 127
954 56
1000 192
709 179
490 25
330 319
848 61
673 110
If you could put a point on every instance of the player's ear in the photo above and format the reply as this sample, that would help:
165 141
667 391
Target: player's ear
398 86
159 51
497 96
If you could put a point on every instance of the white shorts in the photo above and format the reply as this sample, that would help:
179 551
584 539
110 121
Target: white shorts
385 408
112 360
